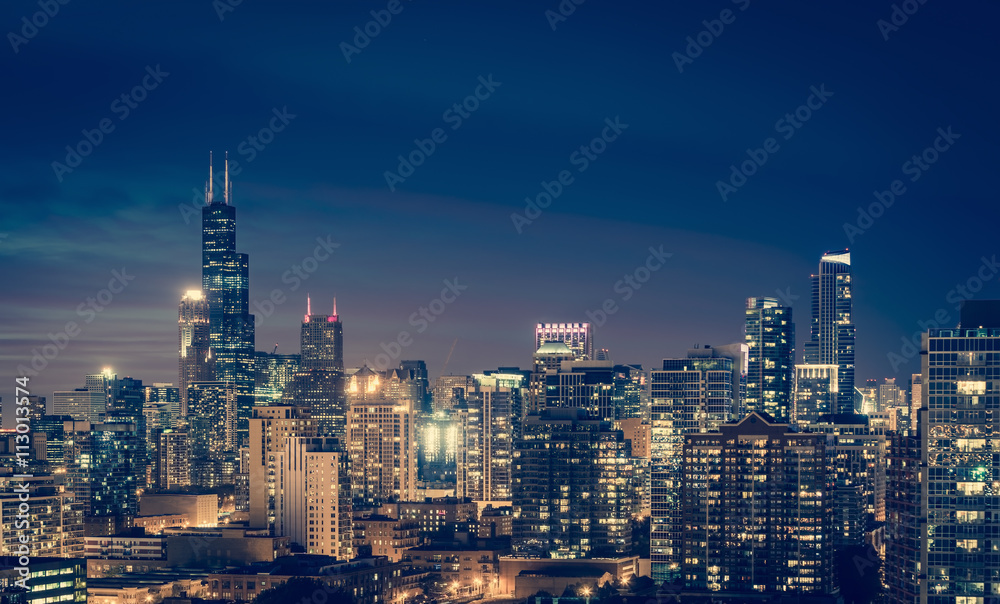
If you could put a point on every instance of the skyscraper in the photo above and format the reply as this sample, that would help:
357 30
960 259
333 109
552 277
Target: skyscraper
577 336
225 278
770 338
832 329
498 397
958 497
319 383
101 472
383 442
212 432
322 340
688 396
757 510
571 489
194 361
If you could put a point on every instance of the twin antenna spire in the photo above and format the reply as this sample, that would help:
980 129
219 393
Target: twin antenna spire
309 307
227 186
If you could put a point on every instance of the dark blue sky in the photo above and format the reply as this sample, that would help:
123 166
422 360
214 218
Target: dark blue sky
655 185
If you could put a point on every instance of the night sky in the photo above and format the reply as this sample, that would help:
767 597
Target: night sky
212 83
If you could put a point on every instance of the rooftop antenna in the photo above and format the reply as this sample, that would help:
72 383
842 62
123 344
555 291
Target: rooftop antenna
227 192
208 185
335 308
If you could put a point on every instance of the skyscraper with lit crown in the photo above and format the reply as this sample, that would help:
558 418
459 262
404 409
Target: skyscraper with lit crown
832 330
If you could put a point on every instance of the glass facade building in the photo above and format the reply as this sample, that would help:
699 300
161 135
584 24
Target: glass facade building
832 329
770 339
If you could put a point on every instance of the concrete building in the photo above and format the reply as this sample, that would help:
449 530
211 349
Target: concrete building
382 443
269 428
386 536
221 547
203 510
313 496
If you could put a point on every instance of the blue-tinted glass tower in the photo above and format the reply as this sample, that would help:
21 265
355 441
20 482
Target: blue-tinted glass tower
225 277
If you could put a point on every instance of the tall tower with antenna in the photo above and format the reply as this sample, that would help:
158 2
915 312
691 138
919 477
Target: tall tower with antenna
225 276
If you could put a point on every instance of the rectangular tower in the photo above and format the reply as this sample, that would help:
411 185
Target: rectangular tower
770 338
832 329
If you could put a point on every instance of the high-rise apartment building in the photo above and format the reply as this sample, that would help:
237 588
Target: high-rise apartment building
958 490
449 390
488 441
212 410
382 442
269 428
832 330
195 362
857 450
225 280
757 510
577 336
101 470
571 493
172 462
770 339
313 498
687 396
54 519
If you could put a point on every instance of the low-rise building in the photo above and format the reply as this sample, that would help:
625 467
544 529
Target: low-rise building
523 576
201 510
461 569
154 525
50 579
220 547
389 537
433 515
368 580
140 588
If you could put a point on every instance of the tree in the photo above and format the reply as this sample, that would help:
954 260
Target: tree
301 590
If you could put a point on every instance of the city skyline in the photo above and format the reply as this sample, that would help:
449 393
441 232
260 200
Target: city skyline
322 176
